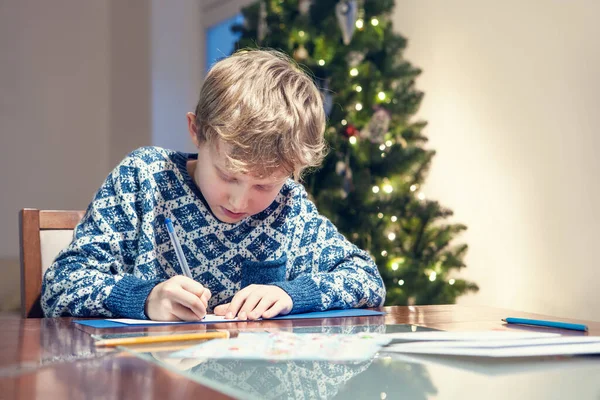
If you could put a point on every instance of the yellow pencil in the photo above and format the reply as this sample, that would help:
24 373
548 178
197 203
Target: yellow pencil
162 338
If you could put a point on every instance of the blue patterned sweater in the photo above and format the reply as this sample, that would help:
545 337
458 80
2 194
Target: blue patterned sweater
121 249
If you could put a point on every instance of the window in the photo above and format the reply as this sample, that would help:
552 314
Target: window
220 40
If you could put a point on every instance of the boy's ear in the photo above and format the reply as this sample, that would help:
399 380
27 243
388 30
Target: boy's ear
192 128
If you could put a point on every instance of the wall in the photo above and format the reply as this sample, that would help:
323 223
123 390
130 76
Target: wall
75 84
177 69
511 95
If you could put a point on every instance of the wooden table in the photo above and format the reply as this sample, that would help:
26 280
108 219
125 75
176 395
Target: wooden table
54 358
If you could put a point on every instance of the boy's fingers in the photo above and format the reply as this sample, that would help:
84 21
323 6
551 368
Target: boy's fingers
264 304
278 308
206 296
190 301
192 286
250 304
236 303
183 313
222 309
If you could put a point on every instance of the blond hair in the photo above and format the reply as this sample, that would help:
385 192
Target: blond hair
266 109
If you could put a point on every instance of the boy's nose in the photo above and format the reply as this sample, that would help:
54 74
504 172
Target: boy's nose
238 201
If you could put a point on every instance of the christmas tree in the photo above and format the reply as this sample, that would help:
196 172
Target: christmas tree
370 183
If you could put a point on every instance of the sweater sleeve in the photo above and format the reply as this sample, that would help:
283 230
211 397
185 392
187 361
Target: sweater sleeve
327 270
94 275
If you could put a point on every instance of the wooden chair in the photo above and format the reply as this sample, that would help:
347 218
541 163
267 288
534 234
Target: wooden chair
43 234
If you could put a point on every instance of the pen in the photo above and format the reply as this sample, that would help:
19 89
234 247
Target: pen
162 338
178 250
549 324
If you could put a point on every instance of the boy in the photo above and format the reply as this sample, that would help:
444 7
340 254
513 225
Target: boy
255 245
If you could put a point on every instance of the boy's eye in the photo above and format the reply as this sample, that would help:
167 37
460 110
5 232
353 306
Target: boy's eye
263 188
226 178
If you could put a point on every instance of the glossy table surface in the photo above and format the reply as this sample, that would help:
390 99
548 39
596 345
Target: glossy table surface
54 358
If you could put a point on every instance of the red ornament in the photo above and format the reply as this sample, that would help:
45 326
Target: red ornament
351 131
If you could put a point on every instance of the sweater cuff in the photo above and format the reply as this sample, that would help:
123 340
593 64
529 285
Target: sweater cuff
128 297
304 292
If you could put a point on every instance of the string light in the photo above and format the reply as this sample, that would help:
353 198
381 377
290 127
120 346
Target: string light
381 96
374 21
392 236
321 62
388 143
413 188
451 281
376 190
358 106
353 72
352 140
401 282
301 33
382 147
432 276
380 215
421 196
394 266
388 188
394 218
382 155
383 395
358 88
384 253
360 23
344 122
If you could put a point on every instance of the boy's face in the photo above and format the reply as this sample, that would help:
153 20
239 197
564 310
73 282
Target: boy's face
232 197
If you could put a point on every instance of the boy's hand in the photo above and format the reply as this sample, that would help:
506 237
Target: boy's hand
256 301
179 298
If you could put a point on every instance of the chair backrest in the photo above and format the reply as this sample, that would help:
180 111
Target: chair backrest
43 234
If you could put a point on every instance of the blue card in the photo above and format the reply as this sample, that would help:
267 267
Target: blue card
211 319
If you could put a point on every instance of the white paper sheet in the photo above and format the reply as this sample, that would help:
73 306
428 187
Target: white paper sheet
564 345
468 336
207 318
290 346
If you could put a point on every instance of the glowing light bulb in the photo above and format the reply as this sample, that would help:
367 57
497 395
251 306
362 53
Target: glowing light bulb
389 143
358 106
321 62
421 196
381 96
358 88
401 282
376 190
382 147
432 276
384 253
353 72
392 236
451 281
394 218
374 21
301 33
360 23
380 215
344 122
388 188
352 140
413 188
394 266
